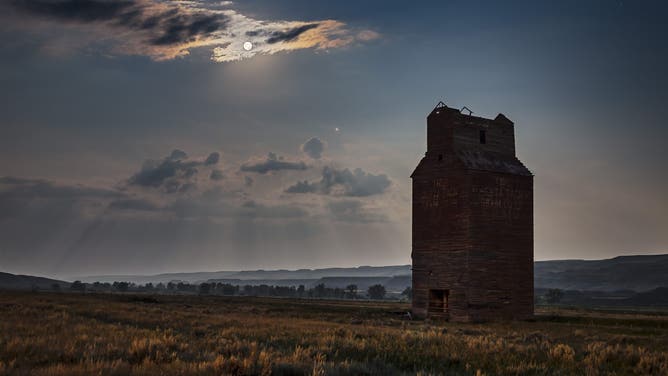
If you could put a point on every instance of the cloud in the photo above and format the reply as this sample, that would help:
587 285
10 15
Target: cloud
168 29
46 200
353 211
183 28
344 183
160 29
289 35
216 175
13 187
248 181
271 37
303 187
178 154
313 148
155 173
272 163
212 159
171 174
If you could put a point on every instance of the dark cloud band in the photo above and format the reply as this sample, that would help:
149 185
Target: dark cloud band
166 29
272 163
344 182
173 173
289 35
158 23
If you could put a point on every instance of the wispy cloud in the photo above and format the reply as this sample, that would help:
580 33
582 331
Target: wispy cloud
167 29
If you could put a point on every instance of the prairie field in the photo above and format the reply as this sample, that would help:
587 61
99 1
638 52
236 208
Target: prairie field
117 334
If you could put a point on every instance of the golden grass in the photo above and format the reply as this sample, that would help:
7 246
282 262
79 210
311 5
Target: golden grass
71 334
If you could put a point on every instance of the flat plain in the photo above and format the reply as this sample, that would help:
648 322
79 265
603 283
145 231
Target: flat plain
119 334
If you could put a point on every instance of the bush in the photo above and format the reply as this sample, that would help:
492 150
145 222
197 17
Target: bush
376 292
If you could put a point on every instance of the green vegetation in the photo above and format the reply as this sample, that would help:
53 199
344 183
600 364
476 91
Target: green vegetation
77 334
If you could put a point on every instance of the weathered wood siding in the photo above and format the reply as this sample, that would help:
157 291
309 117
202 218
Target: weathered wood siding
472 226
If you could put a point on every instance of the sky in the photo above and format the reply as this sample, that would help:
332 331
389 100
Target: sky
141 136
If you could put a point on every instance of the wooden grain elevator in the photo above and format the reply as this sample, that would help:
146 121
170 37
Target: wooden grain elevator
472 245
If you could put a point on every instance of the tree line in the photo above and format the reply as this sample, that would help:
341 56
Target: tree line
320 291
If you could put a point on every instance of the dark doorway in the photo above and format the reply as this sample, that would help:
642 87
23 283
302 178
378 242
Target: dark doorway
438 301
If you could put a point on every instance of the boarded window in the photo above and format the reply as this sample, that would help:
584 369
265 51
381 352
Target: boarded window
438 301
483 137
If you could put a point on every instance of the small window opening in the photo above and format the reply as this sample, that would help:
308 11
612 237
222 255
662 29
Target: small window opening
438 301
483 137
440 157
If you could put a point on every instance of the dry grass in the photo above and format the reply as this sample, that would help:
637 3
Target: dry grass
69 334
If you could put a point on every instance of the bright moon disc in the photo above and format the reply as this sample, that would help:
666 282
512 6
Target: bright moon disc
248 46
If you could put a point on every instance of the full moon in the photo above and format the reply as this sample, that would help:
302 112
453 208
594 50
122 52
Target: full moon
248 46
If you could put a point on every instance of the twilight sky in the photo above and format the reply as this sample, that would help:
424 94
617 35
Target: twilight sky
139 136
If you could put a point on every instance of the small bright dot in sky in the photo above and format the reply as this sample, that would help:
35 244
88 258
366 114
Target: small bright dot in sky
248 46
337 129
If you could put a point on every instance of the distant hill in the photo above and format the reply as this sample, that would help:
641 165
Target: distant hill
195 277
27 282
272 282
361 271
637 273
657 297
258 276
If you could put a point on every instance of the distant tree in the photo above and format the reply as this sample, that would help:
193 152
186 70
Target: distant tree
319 290
149 286
264 290
171 286
338 293
160 286
376 291
351 291
78 286
185 286
204 288
554 296
408 292
55 286
121 286
301 290
228 289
